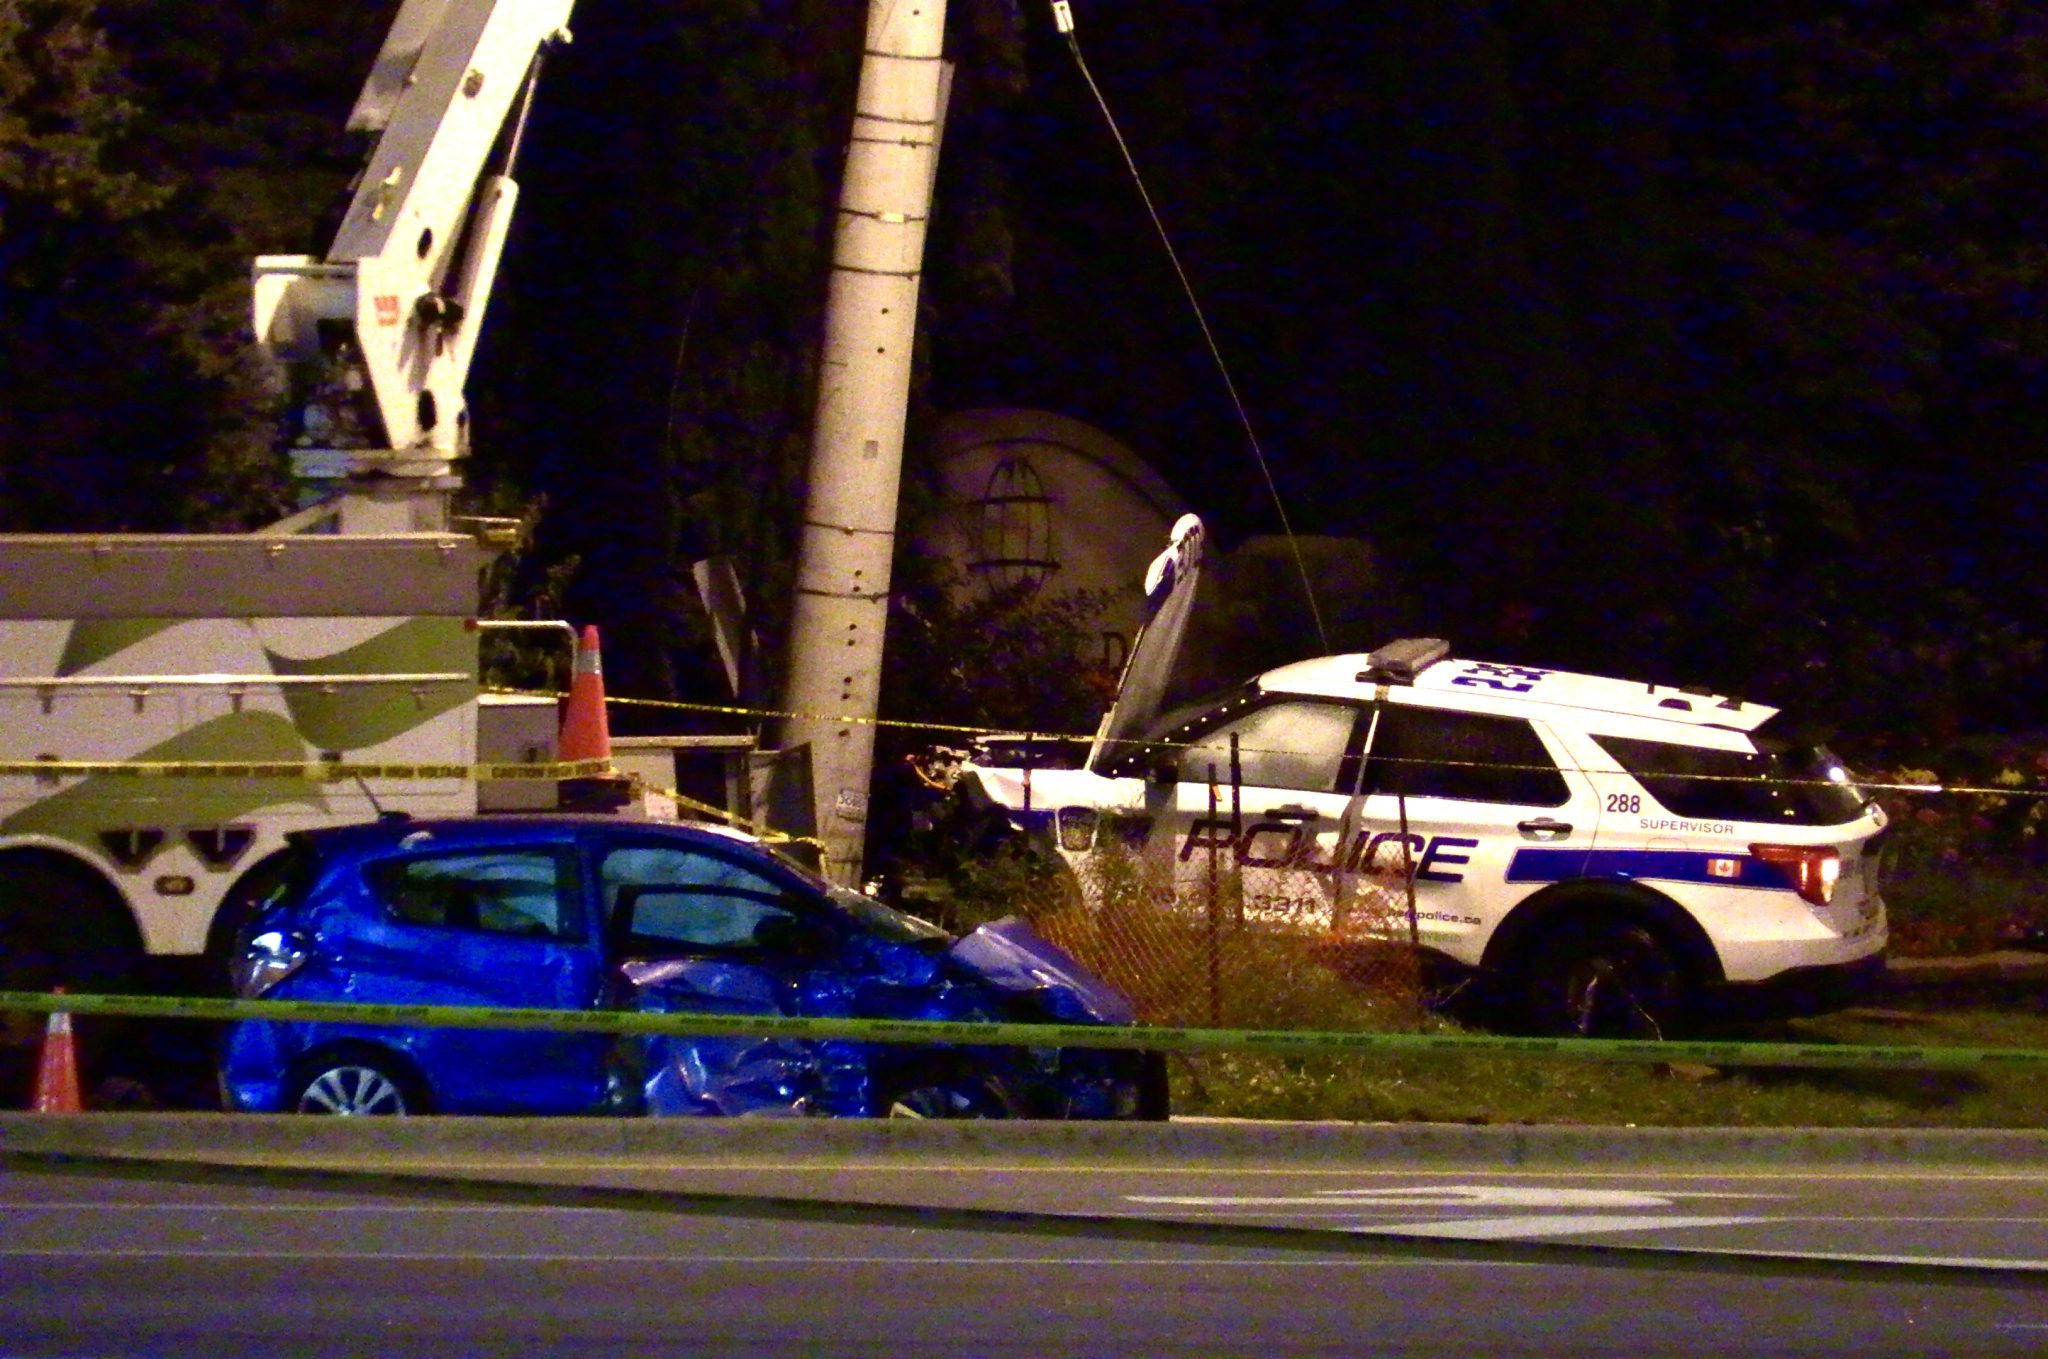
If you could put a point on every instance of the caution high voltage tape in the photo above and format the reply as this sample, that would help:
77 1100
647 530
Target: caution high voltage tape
333 771
317 771
1007 1034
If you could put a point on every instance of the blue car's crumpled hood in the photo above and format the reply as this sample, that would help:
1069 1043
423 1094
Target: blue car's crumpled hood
875 978
1011 956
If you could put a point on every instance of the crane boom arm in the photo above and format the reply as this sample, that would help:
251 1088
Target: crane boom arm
383 328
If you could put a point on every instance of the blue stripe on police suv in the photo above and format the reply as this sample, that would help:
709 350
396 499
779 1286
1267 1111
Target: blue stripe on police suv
1665 865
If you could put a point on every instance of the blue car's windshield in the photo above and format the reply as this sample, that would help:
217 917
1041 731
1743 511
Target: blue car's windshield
887 921
873 916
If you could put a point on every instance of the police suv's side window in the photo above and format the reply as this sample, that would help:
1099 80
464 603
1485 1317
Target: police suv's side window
1283 745
1790 787
1474 757
525 892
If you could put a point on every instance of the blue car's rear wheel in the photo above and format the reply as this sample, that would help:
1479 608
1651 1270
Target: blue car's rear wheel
353 1082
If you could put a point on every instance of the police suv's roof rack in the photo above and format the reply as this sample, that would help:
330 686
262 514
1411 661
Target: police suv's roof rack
1400 662
1694 691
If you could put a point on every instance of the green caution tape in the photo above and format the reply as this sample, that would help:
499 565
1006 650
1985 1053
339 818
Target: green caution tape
1008 1034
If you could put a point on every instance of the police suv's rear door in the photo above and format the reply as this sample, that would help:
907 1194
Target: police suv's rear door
1464 799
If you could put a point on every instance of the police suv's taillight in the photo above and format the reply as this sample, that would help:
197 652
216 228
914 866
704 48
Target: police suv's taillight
1812 869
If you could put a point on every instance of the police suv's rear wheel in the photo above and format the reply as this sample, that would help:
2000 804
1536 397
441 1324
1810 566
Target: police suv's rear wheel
354 1082
1588 979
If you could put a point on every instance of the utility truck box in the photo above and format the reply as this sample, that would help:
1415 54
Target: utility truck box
172 705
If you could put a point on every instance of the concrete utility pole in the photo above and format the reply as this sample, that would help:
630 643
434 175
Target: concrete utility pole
849 532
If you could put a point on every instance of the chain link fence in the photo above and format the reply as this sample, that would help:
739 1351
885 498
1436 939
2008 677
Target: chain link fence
1965 862
1204 942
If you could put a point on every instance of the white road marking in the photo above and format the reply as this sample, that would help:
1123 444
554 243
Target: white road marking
1220 1209
1862 1258
1327 1210
1904 1174
1450 1196
1512 1228
213 1206
1575 1211
693 1258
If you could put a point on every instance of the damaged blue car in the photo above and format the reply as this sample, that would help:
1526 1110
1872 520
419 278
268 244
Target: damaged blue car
602 912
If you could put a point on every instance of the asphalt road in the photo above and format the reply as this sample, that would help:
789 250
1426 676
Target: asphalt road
969 1244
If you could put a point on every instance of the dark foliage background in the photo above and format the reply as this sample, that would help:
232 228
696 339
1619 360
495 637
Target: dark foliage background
1695 339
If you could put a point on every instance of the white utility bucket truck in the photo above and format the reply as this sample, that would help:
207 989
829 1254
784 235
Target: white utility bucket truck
171 705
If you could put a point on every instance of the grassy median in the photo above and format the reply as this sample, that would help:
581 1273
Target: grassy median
1490 1089
1162 945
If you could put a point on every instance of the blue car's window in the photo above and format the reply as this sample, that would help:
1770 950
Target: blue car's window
689 919
524 892
670 866
683 898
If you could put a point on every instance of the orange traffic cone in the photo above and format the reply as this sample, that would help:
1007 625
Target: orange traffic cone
586 735
57 1089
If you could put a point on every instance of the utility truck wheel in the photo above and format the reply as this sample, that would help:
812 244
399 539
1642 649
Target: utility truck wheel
59 926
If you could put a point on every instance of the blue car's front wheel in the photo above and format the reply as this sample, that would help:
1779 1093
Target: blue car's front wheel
944 1092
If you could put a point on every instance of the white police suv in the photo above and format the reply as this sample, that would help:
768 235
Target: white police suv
1608 857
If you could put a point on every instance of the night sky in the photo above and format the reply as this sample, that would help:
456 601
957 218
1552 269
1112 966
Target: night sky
1696 340
1690 339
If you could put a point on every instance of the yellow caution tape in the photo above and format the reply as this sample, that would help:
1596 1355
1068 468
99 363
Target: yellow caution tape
1920 782
1929 784
977 1033
759 830
315 771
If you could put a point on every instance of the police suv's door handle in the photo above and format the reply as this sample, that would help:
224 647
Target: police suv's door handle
1544 828
1292 809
